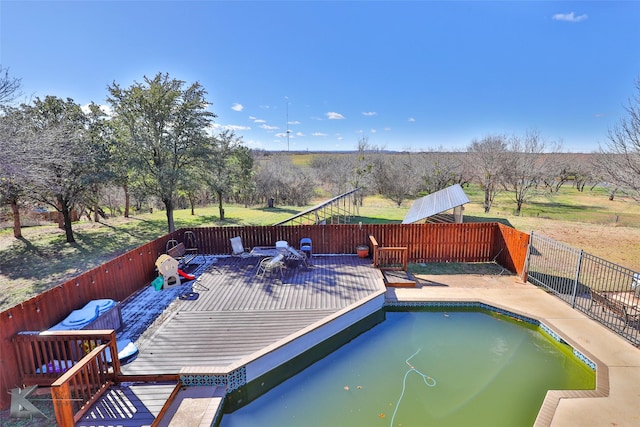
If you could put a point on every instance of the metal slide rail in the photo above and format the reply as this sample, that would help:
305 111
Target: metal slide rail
605 291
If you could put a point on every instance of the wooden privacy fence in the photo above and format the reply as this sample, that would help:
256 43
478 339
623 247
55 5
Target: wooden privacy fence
471 242
128 273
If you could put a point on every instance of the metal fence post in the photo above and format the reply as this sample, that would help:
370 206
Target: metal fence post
527 260
576 280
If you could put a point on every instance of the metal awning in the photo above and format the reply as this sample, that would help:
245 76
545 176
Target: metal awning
435 203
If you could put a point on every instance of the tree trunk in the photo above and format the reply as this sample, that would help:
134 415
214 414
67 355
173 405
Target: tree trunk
487 199
220 208
168 204
192 202
60 216
96 216
17 229
125 187
66 215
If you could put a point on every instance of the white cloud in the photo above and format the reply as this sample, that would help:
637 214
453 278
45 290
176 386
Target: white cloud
369 113
300 134
319 134
219 127
237 127
294 122
411 120
259 120
267 127
334 116
569 17
387 129
237 107
373 131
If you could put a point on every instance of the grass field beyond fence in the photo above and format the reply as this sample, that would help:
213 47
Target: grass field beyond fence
42 258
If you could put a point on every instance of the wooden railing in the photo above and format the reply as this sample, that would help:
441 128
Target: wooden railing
79 387
126 274
389 258
43 357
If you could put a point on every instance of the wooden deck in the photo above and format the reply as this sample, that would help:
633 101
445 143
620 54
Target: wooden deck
237 314
128 404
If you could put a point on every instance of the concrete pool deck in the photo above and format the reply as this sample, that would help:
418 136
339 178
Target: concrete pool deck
615 400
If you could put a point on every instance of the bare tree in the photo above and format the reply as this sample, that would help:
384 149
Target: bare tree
620 160
58 154
395 177
9 86
13 173
525 165
335 172
362 176
487 157
436 170
279 179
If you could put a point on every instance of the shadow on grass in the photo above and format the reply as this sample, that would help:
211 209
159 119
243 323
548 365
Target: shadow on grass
278 210
372 220
471 218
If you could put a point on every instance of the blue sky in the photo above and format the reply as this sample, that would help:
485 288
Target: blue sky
415 75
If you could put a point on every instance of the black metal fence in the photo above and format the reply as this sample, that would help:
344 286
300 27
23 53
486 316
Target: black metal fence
606 292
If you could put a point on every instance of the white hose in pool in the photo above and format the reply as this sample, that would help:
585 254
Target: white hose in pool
430 382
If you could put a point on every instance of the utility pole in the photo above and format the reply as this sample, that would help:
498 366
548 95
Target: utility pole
288 131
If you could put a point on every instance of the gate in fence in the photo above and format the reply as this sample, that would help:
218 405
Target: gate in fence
606 292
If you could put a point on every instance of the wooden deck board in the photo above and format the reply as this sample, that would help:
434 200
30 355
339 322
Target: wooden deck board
128 405
238 313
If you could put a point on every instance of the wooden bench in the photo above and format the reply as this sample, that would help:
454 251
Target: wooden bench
628 313
179 252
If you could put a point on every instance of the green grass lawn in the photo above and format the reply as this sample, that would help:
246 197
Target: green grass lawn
42 258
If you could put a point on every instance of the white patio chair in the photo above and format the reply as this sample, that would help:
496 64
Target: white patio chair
237 248
271 264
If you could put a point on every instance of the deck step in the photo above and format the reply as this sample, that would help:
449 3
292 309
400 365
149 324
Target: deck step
398 279
128 405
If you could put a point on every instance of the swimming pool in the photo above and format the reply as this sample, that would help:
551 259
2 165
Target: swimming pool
451 368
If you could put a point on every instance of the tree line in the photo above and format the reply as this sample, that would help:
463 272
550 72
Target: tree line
156 144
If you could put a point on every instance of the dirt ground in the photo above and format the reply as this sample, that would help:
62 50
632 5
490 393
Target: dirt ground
620 245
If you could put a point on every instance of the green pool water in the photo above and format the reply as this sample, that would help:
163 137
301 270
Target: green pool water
422 368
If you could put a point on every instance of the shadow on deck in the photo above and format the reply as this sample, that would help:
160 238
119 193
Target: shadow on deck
237 313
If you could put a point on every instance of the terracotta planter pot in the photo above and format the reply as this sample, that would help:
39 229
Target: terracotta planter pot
362 251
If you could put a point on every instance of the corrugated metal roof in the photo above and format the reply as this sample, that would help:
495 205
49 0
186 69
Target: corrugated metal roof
435 203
